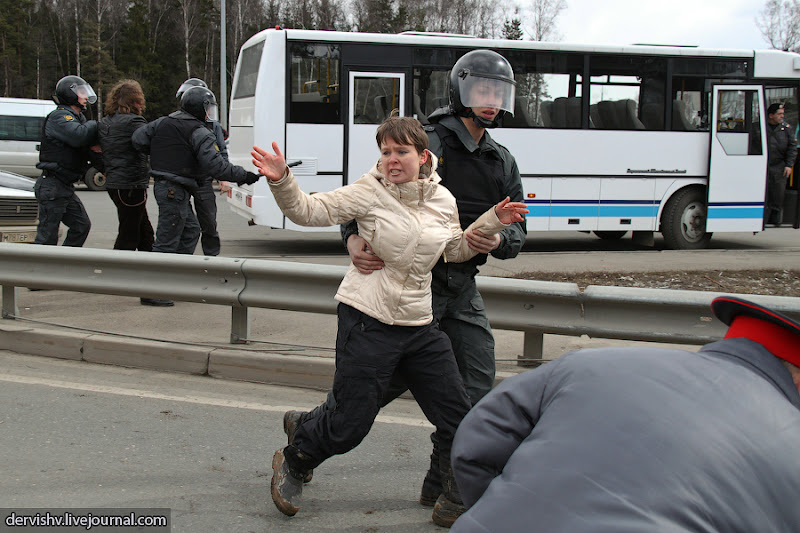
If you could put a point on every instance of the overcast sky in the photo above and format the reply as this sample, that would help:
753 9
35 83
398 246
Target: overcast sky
704 23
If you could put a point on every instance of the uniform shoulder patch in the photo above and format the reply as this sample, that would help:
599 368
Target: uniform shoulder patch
216 146
69 117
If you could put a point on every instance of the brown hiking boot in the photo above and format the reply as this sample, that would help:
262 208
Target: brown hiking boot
291 421
445 512
286 487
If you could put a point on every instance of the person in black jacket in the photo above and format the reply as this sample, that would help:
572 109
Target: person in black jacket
183 152
126 168
127 178
69 144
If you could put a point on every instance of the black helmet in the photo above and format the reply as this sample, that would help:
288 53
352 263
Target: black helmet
200 103
69 88
482 78
191 82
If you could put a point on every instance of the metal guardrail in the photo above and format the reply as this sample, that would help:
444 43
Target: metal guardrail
534 307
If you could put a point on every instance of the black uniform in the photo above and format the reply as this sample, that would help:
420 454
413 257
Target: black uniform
183 153
64 158
782 151
205 202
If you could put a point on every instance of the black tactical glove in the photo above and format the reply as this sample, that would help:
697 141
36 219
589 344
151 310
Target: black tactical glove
249 179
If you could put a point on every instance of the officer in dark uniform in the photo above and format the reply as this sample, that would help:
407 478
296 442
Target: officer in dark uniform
184 152
205 201
782 151
479 173
69 145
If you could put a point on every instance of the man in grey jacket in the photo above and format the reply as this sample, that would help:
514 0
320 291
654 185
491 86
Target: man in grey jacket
643 439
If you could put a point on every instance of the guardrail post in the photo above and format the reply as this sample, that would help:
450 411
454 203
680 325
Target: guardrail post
240 325
533 348
10 309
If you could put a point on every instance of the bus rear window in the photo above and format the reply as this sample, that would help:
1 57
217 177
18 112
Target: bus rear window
248 72
314 84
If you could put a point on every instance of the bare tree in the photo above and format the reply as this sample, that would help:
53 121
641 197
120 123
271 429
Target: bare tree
543 19
778 23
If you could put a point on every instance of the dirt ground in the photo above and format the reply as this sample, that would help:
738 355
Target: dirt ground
771 282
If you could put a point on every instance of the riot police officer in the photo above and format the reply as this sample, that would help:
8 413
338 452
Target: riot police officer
184 152
69 144
479 173
205 202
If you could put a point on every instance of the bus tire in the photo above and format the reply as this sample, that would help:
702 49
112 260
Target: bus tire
610 235
683 223
95 180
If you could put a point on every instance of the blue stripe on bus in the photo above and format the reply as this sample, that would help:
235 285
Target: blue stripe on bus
592 208
735 204
736 212
594 202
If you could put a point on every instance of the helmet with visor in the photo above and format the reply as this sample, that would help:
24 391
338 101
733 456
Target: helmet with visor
71 89
200 103
482 79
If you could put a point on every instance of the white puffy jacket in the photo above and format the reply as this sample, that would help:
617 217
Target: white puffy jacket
408 225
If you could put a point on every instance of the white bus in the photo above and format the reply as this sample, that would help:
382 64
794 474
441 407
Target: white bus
608 139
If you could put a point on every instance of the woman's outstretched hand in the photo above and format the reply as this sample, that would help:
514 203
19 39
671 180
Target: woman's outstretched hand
269 165
508 211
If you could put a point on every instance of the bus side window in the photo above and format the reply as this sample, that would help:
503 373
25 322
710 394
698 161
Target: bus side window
548 90
314 84
627 93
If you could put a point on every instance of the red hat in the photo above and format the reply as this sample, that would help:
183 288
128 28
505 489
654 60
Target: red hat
776 332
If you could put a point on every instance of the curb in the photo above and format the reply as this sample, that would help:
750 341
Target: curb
221 363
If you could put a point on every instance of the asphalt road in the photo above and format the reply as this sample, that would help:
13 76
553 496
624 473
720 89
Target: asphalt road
78 435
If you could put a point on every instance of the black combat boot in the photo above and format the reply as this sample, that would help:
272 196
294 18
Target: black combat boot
432 485
449 505
292 421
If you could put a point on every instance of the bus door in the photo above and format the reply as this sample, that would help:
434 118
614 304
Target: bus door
373 95
737 169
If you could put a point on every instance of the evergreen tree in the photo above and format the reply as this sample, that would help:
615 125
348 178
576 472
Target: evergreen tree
512 29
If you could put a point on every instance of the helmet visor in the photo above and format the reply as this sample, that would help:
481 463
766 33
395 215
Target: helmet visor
481 91
212 115
85 91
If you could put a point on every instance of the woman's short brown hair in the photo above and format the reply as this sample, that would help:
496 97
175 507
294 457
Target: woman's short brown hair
403 130
125 97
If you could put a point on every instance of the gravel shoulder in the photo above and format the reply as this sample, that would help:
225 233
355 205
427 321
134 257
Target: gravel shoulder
772 282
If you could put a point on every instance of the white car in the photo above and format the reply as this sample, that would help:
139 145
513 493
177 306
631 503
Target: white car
19 209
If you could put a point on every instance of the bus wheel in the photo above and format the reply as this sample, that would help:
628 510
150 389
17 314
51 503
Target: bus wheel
95 180
683 222
610 235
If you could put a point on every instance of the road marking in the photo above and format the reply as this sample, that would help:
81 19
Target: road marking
202 400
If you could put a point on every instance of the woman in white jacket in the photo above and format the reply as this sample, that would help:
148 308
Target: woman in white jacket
385 319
